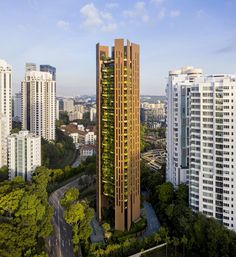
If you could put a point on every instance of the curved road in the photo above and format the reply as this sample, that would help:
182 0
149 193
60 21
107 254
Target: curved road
153 224
60 244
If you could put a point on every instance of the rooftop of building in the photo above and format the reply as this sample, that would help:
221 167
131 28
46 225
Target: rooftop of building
88 147
4 65
72 128
92 128
38 75
187 70
25 133
215 78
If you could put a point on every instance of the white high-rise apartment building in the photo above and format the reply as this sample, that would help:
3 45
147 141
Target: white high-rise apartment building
212 148
75 115
68 105
17 107
5 108
178 94
39 104
210 107
3 140
6 93
79 108
24 154
93 113
57 109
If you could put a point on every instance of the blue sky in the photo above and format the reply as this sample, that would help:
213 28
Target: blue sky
171 34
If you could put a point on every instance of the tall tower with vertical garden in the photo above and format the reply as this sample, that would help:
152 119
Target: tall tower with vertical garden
118 133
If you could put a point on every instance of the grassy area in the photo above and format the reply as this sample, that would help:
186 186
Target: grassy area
135 228
163 252
139 226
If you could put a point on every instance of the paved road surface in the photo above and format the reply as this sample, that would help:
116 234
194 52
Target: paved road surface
59 243
77 161
153 224
97 233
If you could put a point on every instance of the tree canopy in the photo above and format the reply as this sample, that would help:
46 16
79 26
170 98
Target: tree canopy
24 215
70 196
78 215
198 234
60 153
3 173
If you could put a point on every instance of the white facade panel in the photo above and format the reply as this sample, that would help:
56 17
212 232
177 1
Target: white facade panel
24 154
207 112
39 104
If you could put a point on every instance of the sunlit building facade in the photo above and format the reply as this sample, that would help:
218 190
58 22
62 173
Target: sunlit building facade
177 135
5 108
212 148
24 154
201 136
118 133
39 104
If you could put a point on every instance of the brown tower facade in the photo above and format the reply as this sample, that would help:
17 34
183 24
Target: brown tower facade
118 133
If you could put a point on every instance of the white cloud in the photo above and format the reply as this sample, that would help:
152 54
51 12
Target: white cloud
157 1
161 14
33 4
106 15
91 15
174 13
139 11
145 18
64 25
140 5
112 5
94 18
109 27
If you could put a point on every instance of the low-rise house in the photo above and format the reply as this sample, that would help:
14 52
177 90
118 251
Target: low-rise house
86 151
81 127
79 135
90 138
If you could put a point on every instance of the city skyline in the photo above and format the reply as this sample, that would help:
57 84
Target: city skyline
117 128
72 29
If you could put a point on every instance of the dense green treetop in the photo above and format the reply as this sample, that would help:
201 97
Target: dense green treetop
59 153
198 234
79 215
24 215
70 196
3 173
